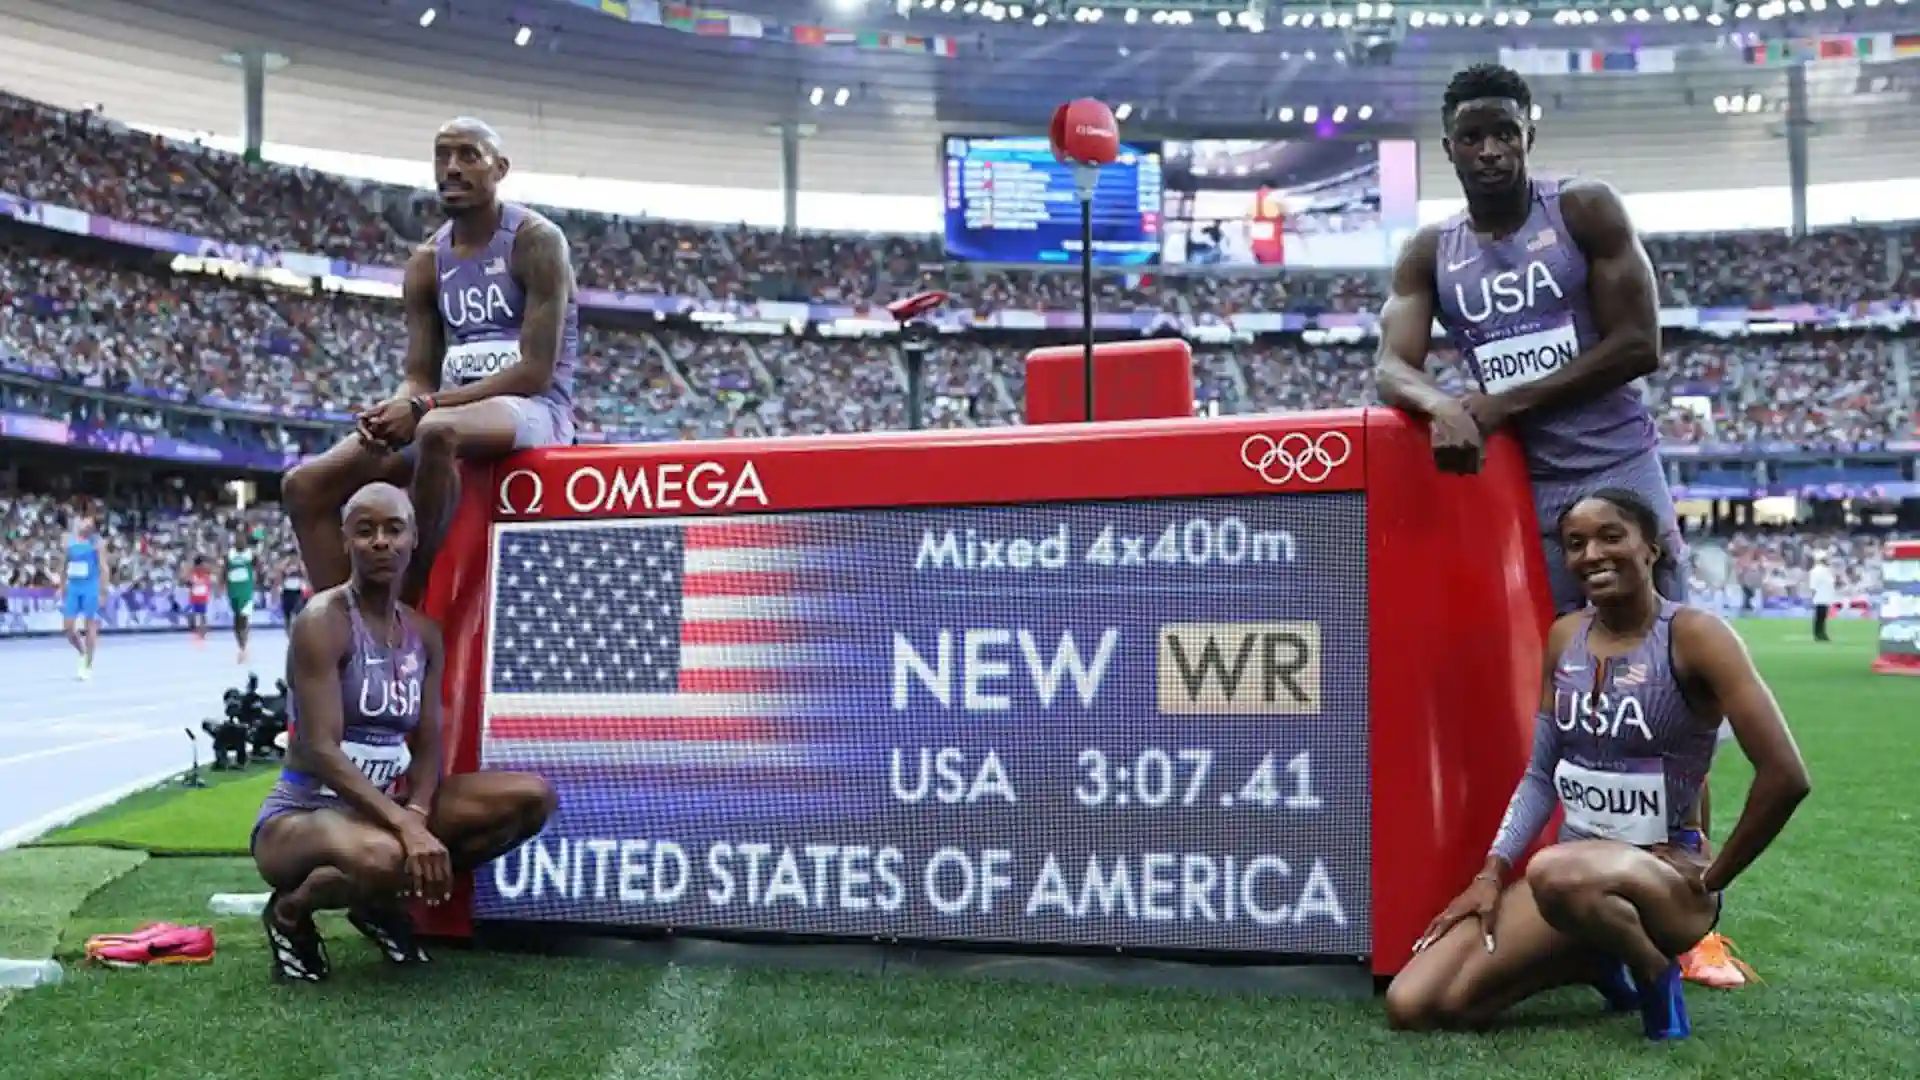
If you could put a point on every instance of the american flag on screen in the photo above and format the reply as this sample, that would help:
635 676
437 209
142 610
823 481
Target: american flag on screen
674 646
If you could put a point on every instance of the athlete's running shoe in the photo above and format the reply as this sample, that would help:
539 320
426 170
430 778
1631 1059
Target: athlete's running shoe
391 930
159 943
1663 1008
1618 988
1712 963
144 930
299 954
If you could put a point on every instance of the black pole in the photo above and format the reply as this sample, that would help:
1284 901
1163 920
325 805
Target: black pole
914 354
1086 291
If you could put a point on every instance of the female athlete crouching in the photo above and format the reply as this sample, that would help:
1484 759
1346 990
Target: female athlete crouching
1635 687
364 674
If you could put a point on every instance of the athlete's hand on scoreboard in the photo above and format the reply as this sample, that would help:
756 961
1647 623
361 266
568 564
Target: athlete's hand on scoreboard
1457 442
1481 902
429 867
1489 411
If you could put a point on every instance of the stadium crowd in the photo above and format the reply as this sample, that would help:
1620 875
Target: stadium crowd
94 318
150 545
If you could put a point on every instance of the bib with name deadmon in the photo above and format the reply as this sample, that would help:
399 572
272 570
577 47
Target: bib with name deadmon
1514 361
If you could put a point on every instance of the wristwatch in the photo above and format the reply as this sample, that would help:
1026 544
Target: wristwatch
422 404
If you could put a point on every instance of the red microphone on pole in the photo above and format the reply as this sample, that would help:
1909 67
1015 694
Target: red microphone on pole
1085 134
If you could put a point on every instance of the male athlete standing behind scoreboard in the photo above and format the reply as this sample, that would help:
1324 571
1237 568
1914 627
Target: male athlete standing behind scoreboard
1547 292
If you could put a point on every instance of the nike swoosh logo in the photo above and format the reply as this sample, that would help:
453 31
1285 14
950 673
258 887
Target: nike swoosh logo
449 273
1453 266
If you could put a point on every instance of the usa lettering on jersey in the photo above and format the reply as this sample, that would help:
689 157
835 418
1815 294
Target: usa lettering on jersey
398 699
1606 716
476 305
1509 292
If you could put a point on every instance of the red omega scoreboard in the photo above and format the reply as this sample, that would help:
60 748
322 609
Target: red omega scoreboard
1258 685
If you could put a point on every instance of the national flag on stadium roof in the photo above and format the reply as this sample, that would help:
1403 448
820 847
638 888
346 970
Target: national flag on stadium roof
719 22
1865 48
1536 61
673 647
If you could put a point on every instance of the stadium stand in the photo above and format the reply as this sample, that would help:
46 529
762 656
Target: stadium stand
94 337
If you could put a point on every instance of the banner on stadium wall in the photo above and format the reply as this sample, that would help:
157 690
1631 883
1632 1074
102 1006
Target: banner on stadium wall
1890 312
144 444
1899 609
128 609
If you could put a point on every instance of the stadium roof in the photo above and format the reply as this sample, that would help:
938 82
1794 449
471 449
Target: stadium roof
1003 73
591 96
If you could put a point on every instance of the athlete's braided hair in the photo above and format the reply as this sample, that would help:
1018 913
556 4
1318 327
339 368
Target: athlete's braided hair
1485 81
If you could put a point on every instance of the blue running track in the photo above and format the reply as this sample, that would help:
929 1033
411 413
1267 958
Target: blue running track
68 747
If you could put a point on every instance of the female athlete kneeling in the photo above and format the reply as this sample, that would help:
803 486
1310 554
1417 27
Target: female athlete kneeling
1635 687
335 832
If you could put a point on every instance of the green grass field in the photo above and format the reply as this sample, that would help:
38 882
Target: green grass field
1828 916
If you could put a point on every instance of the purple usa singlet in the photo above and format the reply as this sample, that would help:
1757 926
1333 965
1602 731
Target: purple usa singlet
1518 310
483 307
1622 752
381 686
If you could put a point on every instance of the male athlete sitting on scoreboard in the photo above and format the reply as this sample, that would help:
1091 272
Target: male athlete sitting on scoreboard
492 339
1633 691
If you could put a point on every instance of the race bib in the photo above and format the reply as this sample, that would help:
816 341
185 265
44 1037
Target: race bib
381 765
295 584
239 574
1627 803
1517 361
79 571
476 360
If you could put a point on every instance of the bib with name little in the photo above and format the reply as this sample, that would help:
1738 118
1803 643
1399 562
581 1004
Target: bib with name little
381 763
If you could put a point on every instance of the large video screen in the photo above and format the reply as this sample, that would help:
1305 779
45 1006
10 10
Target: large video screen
1138 725
1008 200
1289 202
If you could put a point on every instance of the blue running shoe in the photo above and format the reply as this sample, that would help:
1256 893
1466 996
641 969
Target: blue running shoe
1618 988
1663 1008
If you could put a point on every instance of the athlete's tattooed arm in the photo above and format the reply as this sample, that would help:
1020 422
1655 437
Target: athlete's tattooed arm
1626 306
426 335
540 262
1406 330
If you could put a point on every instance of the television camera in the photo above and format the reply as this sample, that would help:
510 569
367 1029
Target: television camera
254 725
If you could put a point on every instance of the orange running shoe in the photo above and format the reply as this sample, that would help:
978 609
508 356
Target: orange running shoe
1712 963
157 944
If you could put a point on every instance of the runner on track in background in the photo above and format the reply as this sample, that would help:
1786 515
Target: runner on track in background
199 595
241 578
84 582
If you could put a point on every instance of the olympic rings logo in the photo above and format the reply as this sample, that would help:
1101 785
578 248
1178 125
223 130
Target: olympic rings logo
1296 456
